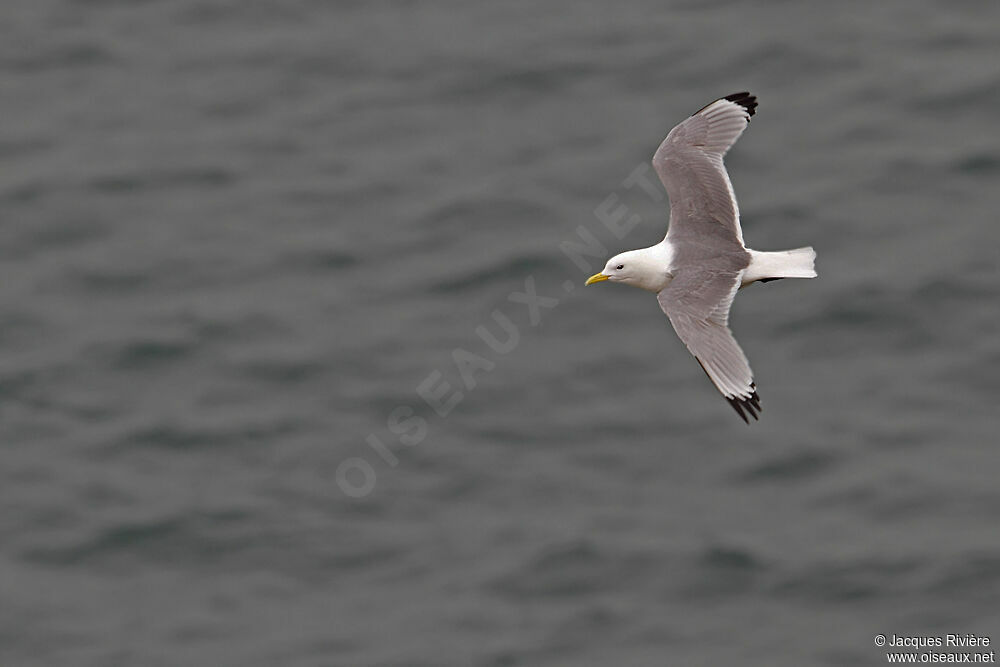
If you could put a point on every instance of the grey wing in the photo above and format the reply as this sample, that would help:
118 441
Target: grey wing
689 162
697 302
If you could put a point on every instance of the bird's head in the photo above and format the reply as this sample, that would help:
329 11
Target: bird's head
634 268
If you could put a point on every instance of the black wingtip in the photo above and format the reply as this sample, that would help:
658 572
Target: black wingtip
749 404
745 100
739 409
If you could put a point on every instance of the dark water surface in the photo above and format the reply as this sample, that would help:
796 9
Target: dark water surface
237 235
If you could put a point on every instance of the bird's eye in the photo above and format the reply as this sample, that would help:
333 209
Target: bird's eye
620 267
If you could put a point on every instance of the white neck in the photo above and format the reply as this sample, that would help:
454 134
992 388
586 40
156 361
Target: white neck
654 264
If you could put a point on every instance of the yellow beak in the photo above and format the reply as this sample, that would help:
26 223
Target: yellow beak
596 278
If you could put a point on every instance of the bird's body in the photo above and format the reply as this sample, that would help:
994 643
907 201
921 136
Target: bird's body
701 263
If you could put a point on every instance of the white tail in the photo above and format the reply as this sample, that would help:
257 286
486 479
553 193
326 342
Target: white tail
798 263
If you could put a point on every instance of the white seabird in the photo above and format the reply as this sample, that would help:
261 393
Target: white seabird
698 267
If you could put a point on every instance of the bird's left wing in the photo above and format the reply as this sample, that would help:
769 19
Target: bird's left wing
697 302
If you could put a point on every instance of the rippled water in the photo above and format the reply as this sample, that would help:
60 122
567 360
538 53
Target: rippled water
236 237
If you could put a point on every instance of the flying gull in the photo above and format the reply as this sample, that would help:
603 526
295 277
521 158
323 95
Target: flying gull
696 270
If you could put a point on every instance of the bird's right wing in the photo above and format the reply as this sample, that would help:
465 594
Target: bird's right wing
697 302
689 162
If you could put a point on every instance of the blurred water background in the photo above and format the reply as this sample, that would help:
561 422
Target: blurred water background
237 235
